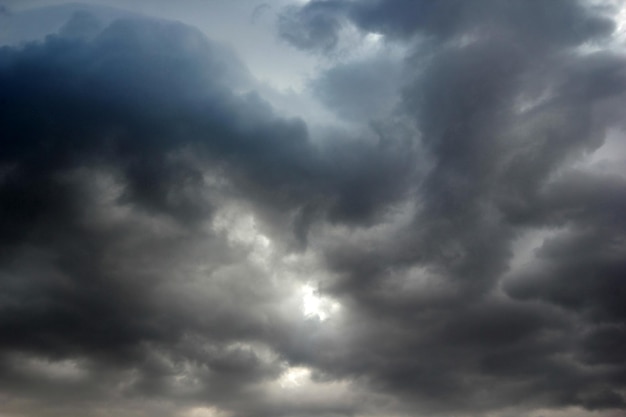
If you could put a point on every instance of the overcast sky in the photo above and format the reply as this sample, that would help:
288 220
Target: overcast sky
325 208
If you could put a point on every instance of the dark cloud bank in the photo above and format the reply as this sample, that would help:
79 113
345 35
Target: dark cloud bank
150 206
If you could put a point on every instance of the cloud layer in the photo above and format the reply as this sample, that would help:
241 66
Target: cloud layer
170 244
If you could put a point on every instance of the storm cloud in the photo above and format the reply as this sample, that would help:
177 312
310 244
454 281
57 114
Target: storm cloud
447 239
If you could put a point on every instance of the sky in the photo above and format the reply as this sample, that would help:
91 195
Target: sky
324 208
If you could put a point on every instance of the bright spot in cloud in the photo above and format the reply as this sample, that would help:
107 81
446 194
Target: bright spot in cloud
374 37
620 20
313 305
294 377
205 412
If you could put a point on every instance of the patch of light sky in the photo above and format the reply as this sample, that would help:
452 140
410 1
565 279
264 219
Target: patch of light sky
246 25
617 10
249 27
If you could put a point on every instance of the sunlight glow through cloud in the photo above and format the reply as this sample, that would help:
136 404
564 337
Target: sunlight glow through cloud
313 305
294 377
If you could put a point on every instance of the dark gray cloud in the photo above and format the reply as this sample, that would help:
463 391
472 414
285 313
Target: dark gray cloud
170 244
119 147
317 24
505 103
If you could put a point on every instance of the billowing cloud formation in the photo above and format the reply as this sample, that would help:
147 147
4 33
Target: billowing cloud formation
172 245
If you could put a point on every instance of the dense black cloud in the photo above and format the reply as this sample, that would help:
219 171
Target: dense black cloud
170 244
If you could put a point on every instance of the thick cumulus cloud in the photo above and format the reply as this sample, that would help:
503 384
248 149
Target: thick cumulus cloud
135 171
171 245
499 286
